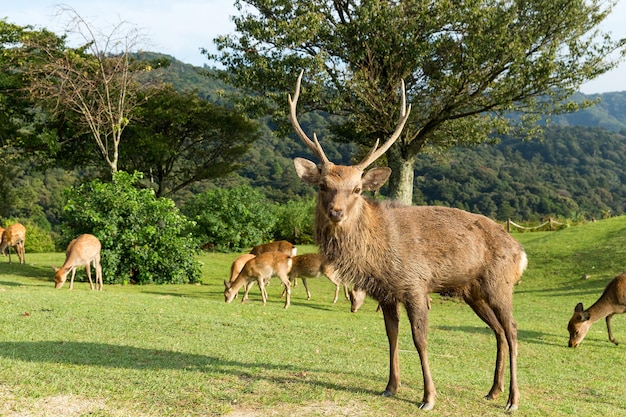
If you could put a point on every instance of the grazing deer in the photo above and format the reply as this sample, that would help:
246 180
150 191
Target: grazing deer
310 265
260 269
236 268
399 254
82 251
283 246
14 236
611 302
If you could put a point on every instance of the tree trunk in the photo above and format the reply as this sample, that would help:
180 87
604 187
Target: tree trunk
402 174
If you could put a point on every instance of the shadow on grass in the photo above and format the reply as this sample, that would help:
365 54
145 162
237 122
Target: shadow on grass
134 358
523 335
25 270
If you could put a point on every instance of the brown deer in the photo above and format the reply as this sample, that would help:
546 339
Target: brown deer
14 236
260 269
310 265
236 268
82 251
611 302
283 246
399 254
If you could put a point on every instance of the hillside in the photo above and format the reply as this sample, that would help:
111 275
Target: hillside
575 172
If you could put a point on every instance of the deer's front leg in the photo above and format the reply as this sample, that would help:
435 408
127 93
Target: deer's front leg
391 313
608 327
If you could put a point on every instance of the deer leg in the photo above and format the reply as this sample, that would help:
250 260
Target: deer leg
248 288
486 314
332 279
504 314
261 283
608 327
88 269
19 248
306 287
346 292
285 280
98 268
336 293
391 314
72 279
417 311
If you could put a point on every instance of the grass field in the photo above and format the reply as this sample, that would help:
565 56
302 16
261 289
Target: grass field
181 351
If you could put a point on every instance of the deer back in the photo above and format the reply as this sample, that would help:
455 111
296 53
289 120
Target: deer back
283 246
307 265
238 265
81 251
266 265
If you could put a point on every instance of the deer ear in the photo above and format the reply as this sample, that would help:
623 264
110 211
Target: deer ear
375 178
584 316
579 308
307 171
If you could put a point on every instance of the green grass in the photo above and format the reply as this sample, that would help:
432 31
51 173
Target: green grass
179 350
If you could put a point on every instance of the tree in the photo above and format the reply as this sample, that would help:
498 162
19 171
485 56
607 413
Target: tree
179 139
467 66
95 85
232 219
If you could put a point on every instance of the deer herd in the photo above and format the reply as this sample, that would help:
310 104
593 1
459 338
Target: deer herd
394 253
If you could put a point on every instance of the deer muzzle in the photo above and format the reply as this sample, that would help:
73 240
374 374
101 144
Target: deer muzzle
335 215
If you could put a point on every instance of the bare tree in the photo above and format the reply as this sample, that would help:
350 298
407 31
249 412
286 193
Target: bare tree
96 82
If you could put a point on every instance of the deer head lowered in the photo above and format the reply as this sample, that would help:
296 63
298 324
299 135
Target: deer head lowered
399 254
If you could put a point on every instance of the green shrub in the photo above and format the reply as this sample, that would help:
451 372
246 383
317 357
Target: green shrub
295 221
231 219
144 239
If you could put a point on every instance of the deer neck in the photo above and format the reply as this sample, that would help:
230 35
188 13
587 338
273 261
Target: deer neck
600 309
359 252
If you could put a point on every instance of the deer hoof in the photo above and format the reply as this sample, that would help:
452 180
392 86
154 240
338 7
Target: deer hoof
387 393
511 407
426 406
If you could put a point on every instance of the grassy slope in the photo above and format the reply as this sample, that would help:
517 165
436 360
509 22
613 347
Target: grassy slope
180 350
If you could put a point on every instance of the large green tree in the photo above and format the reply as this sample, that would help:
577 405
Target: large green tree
467 65
179 139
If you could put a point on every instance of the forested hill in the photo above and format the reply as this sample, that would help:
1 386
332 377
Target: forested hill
576 171
609 113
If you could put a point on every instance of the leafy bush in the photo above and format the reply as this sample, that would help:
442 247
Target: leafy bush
144 239
231 219
295 221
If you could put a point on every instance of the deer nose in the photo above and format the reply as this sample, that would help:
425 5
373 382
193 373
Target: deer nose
336 215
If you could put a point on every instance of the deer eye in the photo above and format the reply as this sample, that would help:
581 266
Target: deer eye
357 190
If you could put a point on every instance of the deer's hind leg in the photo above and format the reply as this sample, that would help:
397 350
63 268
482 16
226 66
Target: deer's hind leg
499 318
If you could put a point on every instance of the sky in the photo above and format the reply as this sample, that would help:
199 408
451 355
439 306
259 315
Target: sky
182 28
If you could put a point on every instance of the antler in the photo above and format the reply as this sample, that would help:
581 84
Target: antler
376 152
373 154
314 145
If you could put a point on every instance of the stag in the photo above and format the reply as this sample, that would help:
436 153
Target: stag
399 254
